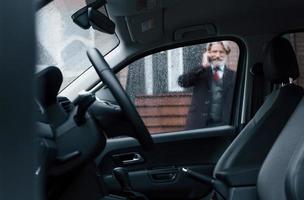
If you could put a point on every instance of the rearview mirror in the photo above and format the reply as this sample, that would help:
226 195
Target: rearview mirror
90 16
100 22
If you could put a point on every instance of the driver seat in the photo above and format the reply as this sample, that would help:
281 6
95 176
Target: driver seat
237 170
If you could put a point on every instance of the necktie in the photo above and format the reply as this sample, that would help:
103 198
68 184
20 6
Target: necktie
216 75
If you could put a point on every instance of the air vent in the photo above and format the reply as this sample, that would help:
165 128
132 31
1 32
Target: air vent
66 104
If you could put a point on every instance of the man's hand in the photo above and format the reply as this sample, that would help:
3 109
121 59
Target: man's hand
206 60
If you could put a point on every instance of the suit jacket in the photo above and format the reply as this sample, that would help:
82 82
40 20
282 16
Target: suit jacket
201 80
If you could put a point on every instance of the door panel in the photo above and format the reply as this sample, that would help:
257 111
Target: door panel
159 174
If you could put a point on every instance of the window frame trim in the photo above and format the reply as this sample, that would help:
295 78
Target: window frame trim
240 101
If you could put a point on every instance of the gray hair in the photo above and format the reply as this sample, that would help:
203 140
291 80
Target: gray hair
224 43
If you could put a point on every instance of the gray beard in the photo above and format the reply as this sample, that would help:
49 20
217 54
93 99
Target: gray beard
218 63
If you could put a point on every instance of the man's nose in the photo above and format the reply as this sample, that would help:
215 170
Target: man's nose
217 55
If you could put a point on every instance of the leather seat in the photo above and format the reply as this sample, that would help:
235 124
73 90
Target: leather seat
240 164
282 176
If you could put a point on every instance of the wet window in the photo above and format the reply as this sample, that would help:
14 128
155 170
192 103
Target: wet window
64 44
184 88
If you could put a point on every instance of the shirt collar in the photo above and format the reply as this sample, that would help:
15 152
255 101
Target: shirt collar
221 68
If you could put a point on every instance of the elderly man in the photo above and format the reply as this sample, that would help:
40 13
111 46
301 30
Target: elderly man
213 86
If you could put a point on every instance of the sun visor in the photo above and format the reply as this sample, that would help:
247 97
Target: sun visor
144 18
145 28
131 7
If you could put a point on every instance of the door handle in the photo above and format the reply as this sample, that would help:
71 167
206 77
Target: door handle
167 174
128 159
137 158
164 177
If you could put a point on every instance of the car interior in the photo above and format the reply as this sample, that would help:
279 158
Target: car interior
98 111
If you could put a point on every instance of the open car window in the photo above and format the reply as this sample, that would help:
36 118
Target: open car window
64 44
185 88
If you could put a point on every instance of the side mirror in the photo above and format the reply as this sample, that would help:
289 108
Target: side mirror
89 16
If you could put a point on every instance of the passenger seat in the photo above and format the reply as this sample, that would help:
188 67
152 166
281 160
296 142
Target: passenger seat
237 170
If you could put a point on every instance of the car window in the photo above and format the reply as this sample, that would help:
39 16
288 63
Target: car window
64 44
184 88
297 41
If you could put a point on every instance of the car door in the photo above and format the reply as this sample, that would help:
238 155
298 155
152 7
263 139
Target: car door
178 117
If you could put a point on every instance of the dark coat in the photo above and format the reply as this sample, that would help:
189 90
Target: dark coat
201 79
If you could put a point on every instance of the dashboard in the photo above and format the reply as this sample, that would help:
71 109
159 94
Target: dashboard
64 142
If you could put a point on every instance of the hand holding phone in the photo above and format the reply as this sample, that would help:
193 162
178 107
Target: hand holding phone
206 60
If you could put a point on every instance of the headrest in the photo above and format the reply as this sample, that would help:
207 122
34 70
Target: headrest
280 62
49 80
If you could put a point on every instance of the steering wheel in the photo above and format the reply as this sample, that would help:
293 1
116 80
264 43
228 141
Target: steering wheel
105 73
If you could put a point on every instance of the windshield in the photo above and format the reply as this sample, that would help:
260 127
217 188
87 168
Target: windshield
63 44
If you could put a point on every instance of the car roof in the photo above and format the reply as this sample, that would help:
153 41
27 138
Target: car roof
201 18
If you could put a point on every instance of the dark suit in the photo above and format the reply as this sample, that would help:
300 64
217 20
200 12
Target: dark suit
201 80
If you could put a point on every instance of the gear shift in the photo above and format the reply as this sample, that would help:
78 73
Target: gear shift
85 100
122 176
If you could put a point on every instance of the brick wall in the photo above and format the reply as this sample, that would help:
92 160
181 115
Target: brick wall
164 112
